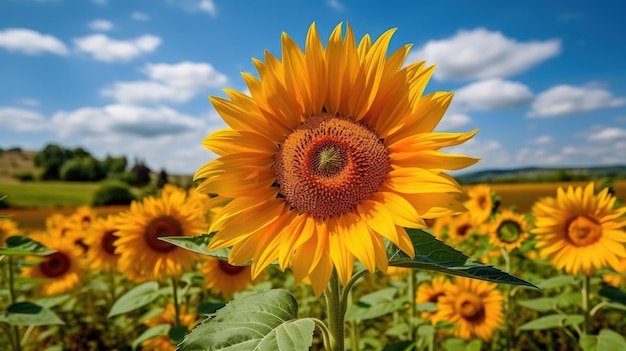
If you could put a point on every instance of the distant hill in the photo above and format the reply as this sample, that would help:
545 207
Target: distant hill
541 174
15 162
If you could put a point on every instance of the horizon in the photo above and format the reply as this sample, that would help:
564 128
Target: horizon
541 82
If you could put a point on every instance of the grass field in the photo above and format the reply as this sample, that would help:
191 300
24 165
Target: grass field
48 194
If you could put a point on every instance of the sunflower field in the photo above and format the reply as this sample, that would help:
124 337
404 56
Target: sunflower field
328 221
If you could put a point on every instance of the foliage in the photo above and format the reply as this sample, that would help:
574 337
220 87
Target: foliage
112 193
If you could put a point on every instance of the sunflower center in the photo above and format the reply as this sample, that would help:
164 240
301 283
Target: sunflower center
509 231
583 231
329 164
463 230
55 265
470 307
161 227
108 240
435 297
229 268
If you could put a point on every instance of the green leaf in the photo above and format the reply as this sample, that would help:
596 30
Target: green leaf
257 321
210 307
433 255
177 334
27 313
557 282
552 321
135 298
376 304
154 332
198 243
613 294
543 304
399 346
24 246
606 340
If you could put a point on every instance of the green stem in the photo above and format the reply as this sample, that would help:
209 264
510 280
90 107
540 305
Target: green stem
346 290
16 331
412 305
507 301
585 295
176 306
335 311
322 327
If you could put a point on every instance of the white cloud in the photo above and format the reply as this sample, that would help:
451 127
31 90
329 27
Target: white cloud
22 120
31 42
607 134
208 6
140 16
100 25
125 119
335 5
168 82
29 102
103 48
493 94
563 100
453 122
491 152
481 54
541 140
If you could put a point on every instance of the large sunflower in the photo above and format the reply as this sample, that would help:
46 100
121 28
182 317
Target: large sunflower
475 306
509 230
223 278
62 269
101 255
580 231
142 255
333 151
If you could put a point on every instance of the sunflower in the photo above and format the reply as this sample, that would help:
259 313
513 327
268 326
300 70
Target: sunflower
62 269
475 306
224 278
101 239
618 278
508 230
7 228
480 203
580 231
142 255
333 151
461 227
431 291
163 343
83 216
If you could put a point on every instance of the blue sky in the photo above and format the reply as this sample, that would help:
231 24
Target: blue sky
544 81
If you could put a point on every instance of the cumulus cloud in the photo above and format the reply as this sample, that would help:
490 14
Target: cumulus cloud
482 54
541 140
31 42
607 134
453 122
100 25
140 16
103 48
564 100
493 94
125 119
208 6
22 120
335 5
168 82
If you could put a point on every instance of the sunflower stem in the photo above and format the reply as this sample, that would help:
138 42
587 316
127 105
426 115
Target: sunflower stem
16 331
335 312
176 306
323 329
585 296
507 301
345 294
412 305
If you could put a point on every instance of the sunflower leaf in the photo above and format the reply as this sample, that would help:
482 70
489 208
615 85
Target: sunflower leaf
433 255
376 304
552 321
135 298
197 243
28 313
23 246
150 333
606 340
260 321
613 294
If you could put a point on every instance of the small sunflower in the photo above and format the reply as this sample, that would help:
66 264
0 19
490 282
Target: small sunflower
142 255
431 291
7 228
580 231
509 230
333 150
461 227
480 203
224 278
475 306
618 278
83 216
101 255
62 269
163 343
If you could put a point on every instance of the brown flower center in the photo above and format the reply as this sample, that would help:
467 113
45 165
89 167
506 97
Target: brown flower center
56 265
108 240
509 231
161 227
435 297
470 307
584 231
463 230
229 269
329 164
